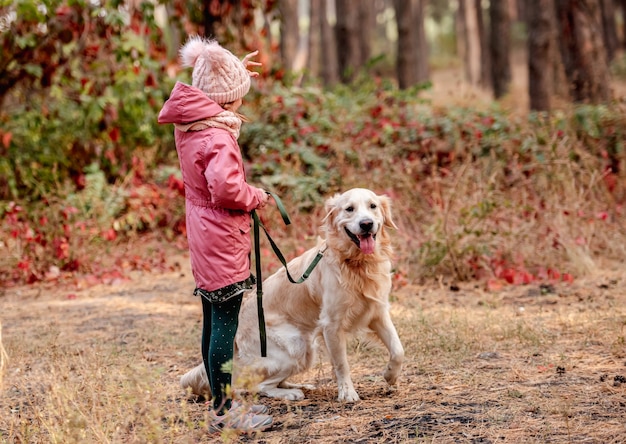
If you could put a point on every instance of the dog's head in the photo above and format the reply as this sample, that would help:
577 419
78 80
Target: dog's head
357 219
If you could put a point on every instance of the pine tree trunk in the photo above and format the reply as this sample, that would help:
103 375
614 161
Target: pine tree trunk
500 47
540 20
468 41
366 26
582 50
423 67
412 55
623 8
406 59
485 53
330 67
609 25
348 48
289 32
314 60
211 17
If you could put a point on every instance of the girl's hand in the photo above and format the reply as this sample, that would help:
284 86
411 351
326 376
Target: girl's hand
266 199
247 62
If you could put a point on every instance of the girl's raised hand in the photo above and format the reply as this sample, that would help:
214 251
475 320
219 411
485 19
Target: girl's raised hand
247 62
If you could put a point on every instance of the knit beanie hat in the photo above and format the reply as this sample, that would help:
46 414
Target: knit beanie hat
216 70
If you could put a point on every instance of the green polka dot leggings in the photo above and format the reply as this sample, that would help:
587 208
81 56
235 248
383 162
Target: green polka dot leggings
220 321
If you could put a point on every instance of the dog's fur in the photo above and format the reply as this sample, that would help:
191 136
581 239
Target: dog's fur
347 292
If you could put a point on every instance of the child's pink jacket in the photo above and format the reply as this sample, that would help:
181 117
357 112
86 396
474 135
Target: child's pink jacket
218 199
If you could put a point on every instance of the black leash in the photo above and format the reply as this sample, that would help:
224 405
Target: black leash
281 258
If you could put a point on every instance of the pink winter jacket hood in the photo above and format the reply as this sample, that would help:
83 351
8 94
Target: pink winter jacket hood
218 198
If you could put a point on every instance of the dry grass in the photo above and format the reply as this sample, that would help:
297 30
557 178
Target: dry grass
3 358
529 364
460 225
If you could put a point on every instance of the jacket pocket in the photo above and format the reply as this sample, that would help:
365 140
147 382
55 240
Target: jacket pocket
243 242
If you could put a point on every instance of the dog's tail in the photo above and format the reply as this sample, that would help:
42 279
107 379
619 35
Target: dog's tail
196 379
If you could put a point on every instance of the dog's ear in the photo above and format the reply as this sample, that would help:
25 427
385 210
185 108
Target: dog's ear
331 208
385 205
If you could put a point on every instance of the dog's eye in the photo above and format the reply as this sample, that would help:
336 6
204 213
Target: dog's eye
350 209
373 206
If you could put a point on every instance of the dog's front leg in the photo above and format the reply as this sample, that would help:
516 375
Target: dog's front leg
336 344
387 333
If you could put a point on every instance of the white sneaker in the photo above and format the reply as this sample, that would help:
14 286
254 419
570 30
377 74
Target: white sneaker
257 409
240 420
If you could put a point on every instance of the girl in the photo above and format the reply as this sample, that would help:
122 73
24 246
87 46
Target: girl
218 205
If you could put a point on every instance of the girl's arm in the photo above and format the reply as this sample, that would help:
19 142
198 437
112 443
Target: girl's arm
227 181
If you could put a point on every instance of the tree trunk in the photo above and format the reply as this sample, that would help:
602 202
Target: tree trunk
220 15
623 7
330 67
500 47
211 17
485 53
406 59
540 21
289 33
468 41
609 26
522 10
314 61
412 57
366 26
423 67
348 47
582 50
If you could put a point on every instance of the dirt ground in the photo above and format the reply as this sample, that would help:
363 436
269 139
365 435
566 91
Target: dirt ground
537 363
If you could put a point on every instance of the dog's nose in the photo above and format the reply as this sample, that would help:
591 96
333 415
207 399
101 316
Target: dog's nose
366 225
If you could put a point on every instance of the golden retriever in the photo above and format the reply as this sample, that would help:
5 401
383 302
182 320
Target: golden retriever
345 294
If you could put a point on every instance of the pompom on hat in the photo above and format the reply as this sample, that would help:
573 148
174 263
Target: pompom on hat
216 71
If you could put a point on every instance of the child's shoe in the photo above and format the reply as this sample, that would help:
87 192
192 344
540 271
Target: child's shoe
241 420
257 409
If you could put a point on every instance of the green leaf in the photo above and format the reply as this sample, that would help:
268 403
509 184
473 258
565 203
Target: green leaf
34 70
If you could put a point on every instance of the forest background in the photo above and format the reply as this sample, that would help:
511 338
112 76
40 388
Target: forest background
523 181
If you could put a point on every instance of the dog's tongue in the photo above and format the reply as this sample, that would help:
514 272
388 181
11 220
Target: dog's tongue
367 244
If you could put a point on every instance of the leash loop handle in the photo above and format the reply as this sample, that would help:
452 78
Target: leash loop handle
281 209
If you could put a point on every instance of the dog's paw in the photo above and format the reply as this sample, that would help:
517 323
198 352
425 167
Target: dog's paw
391 373
196 380
348 395
294 395
288 394
390 376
